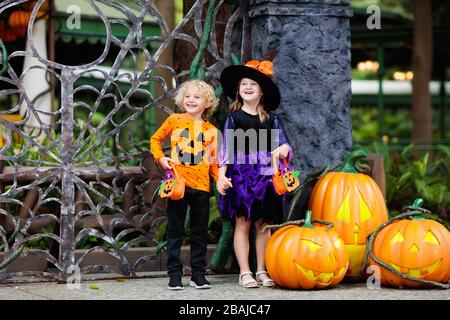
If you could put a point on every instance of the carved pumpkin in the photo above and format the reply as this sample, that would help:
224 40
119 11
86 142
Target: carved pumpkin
415 247
190 151
306 256
354 203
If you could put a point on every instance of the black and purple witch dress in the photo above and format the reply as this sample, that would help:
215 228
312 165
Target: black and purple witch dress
246 150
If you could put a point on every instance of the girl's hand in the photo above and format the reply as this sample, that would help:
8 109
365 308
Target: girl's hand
166 163
223 183
282 151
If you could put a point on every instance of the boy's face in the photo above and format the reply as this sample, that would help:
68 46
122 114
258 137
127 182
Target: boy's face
194 102
249 90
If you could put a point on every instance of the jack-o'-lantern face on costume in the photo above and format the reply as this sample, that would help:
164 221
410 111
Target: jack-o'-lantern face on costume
190 151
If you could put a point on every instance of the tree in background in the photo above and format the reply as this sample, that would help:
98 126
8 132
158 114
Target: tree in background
422 62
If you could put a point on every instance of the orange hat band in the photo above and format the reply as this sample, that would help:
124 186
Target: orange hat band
265 66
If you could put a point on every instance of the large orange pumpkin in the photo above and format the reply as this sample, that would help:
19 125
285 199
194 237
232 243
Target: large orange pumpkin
415 248
354 203
306 256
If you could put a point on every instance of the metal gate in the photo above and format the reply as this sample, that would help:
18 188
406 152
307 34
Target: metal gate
68 168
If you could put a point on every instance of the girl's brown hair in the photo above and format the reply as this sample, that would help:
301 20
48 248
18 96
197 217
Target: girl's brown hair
238 103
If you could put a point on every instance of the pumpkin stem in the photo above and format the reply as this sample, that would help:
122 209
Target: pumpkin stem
350 163
308 223
305 223
418 203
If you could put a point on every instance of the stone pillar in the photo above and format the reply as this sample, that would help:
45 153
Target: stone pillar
313 72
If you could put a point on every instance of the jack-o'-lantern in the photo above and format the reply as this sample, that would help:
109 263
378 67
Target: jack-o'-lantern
172 185
284 178
411 250
354 203
306 257
290 177
190 151
167 185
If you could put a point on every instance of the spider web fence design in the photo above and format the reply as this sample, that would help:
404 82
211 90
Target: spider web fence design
69 168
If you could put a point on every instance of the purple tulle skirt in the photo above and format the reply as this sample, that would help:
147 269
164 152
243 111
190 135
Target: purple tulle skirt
252 195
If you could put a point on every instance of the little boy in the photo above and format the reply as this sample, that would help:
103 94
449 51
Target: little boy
193 141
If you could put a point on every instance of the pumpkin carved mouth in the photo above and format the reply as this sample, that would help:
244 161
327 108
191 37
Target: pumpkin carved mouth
417 272
321 277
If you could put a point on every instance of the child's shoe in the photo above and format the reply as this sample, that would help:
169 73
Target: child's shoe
198 281
175 283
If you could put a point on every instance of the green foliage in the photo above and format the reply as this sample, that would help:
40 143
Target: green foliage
396 124
363 75
42 243
411 175
92 241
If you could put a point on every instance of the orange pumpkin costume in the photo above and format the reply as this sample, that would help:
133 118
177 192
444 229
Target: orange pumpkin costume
193 148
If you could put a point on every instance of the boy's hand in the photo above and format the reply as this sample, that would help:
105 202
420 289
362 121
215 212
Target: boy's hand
282 151
166 163
223 183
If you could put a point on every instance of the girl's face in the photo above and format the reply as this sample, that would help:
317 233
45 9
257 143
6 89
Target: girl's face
194 102
250 91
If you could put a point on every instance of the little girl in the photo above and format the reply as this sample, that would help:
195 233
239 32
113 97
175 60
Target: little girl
252 135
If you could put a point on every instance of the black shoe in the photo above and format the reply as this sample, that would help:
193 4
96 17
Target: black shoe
198 281
175 283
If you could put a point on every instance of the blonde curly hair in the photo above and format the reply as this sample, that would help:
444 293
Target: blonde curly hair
206 90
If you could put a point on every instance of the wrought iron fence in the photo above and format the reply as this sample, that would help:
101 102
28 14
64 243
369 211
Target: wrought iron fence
65 170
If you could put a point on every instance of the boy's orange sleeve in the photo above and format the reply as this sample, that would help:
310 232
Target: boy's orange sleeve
157 139
213 166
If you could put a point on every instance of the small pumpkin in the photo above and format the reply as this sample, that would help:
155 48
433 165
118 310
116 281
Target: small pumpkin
306 257
411 250
354 203
19 18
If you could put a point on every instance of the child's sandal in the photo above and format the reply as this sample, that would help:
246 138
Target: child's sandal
267 281
250 282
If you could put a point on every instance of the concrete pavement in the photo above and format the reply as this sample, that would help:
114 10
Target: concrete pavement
224 287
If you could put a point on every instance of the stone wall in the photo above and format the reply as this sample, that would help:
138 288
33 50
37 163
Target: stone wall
313 72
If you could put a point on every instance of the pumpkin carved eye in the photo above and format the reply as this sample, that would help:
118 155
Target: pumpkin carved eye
397 238
431 238
344 210
314 246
